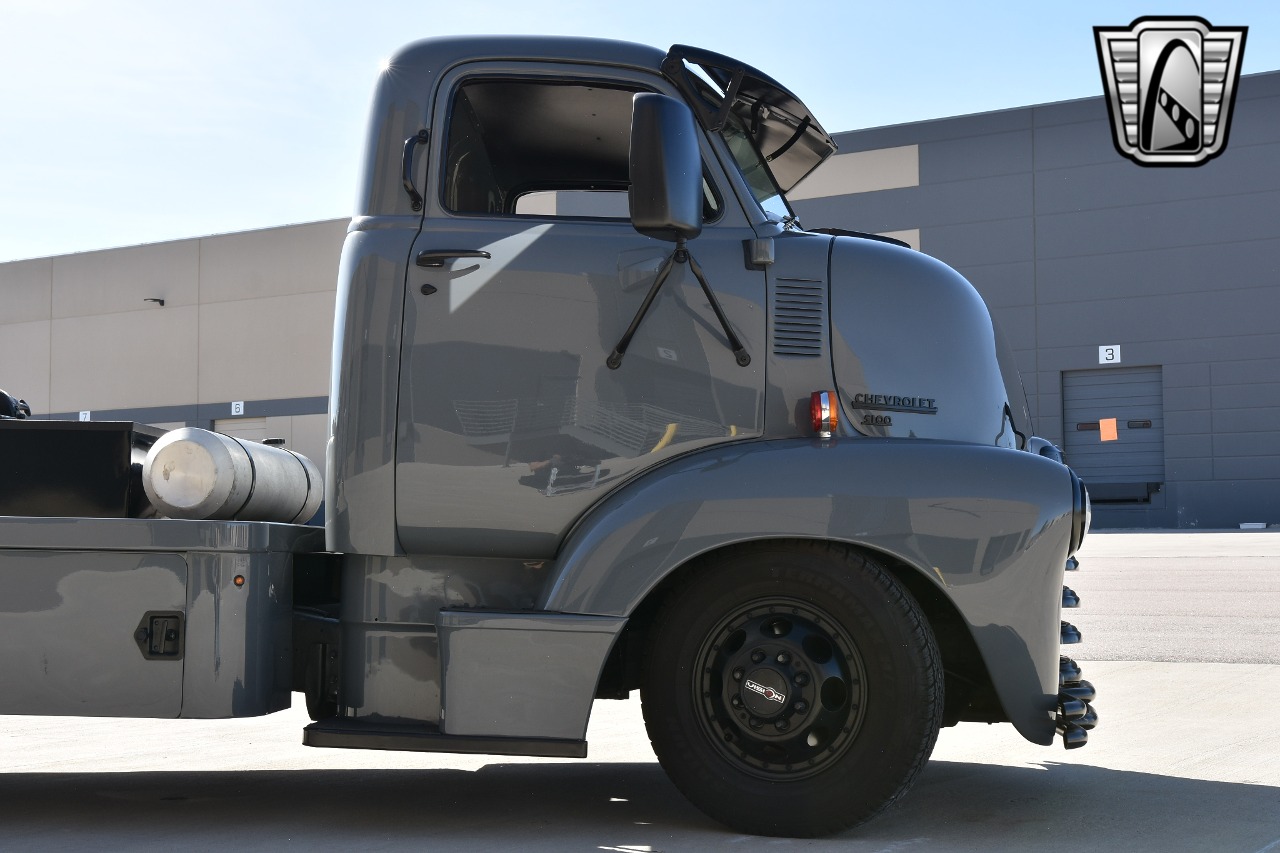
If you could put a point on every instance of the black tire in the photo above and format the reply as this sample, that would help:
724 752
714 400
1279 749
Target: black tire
844 698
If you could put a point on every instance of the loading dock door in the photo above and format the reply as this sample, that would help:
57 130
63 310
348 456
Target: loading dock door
1130 467
245 429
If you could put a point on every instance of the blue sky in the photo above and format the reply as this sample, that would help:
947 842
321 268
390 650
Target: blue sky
136 121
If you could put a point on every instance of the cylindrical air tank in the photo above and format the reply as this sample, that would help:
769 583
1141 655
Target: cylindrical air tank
194 473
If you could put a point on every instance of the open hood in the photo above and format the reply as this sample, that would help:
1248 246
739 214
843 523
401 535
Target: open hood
790 140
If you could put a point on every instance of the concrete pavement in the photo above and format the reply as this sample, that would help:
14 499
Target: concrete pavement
1211 597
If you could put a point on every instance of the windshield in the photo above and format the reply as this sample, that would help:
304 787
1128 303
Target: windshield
754 169
772 135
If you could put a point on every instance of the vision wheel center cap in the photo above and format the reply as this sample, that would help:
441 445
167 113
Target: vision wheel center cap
765 693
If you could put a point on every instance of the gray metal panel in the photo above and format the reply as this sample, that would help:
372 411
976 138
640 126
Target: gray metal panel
1247 468
967 244
1184 447
1060 145
1069 112
1257 105
1182 222
1019 328
933 506
1173 323
933 343
390 610
1244 395
1248 167
1254 346
1183 471
931 131
1195 421
360 461
979 156
980 199
522 674
1243 421
204 412
490 492
1227 447
1003 285
67 628
1178 376
1131 395
1249 371
78 589
1159 273
164 534
800 259
502 388
238 648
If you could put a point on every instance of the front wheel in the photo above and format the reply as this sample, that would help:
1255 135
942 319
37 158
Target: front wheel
792 688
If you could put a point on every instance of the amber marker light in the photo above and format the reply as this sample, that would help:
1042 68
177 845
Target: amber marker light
824 413
238 580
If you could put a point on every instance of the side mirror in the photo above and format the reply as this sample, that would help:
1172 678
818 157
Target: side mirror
665 169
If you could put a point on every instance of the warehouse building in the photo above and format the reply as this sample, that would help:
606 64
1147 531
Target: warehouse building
1140 298
1145 295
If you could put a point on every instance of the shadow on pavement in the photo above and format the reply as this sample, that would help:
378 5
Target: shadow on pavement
631 807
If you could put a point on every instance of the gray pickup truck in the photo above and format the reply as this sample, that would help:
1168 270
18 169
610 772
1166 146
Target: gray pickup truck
604 417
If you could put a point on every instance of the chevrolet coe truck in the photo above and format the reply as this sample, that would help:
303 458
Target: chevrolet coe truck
604 417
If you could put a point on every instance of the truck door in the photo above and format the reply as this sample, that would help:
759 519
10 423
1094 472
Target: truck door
525 274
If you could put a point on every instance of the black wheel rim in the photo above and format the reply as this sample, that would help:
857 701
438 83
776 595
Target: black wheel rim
781 688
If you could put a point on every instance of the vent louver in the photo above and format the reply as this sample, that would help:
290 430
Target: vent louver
799 317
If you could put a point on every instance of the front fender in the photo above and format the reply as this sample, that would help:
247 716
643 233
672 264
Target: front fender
988 526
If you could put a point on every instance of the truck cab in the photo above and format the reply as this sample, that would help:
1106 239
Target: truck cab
505 490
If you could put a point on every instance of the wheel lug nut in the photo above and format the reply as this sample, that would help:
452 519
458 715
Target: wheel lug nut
800 707
736 701
783 658
757 656
801 679
782 725
737 674
754 723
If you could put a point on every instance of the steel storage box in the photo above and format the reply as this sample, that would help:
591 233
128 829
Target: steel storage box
186 618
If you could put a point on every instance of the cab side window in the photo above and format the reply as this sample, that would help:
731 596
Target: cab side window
531 148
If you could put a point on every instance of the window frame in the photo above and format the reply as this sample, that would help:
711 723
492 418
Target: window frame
452 84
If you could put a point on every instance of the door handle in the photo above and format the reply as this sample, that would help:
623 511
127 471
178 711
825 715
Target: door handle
437 257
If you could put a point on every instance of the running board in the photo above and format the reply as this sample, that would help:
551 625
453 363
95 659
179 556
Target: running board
417 737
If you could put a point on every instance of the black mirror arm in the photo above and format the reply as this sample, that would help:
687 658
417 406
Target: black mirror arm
739 351
680 255
614 361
